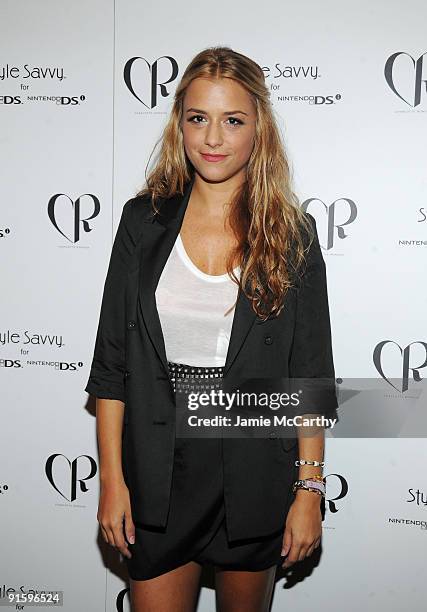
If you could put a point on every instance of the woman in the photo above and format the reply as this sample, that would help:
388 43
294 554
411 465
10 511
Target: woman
239 237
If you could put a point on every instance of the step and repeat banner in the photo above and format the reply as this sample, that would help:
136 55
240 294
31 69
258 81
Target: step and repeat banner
85 90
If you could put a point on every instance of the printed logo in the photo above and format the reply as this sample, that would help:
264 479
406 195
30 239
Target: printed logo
148 85
72 231
418 497
332 226
419 85
31 72
406 360
120 599
342 492
292 72
74 480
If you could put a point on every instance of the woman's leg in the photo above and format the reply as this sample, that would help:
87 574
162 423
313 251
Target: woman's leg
238 591
174 591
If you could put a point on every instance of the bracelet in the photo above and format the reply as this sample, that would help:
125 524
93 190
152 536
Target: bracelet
310 484
310 489
308 462
307 488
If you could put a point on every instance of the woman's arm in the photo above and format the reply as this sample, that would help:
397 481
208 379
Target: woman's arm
311 368
109 425
106 383
304 521
114 501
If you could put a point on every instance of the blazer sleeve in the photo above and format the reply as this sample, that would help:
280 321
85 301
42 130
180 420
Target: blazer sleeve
311 361
106 377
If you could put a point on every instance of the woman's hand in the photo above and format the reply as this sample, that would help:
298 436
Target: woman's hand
114 506
303 529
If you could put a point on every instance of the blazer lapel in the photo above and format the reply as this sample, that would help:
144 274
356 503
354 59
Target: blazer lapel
158 238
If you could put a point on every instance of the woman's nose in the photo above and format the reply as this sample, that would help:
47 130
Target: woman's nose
213 135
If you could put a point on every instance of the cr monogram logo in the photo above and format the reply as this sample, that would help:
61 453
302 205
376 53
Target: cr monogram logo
74 220
419 83
330 212
148 80
405 353
74 478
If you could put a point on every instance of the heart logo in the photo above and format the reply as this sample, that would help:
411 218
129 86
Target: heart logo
66 213
70 476
333 227
405 356
404 76
145 80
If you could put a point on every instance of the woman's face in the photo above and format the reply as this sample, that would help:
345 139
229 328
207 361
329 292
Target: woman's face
218 119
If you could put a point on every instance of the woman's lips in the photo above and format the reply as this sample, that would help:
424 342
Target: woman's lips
213 158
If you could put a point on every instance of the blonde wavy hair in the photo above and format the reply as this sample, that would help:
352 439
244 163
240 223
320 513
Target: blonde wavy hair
264 213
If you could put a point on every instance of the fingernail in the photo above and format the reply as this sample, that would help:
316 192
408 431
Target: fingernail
132 539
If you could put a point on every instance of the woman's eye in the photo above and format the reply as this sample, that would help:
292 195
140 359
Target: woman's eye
238 122
195 117
235 121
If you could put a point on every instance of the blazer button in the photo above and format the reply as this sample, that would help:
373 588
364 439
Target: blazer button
131 324
127 374
268 340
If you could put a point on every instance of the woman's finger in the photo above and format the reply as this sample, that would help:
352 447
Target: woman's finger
129 528
310 550
302 552
109 535
120 542
293 555
104 534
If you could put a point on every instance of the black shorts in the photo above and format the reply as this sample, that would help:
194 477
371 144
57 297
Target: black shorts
196 528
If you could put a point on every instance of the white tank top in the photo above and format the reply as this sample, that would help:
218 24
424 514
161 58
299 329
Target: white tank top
196 310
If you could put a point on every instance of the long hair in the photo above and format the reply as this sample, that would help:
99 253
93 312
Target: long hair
264 213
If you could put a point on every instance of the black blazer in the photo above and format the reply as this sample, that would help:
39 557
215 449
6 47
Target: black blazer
130 364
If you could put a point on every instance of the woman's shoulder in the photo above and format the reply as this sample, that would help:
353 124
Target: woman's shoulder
139 207
136 210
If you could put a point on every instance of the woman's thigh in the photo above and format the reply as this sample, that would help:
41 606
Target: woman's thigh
174 591
238 591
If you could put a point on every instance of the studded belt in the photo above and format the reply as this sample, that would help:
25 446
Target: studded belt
187 378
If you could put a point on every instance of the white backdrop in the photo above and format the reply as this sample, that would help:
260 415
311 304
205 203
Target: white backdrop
354 122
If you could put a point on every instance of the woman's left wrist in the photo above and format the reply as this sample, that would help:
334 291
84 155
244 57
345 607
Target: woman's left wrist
308 497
